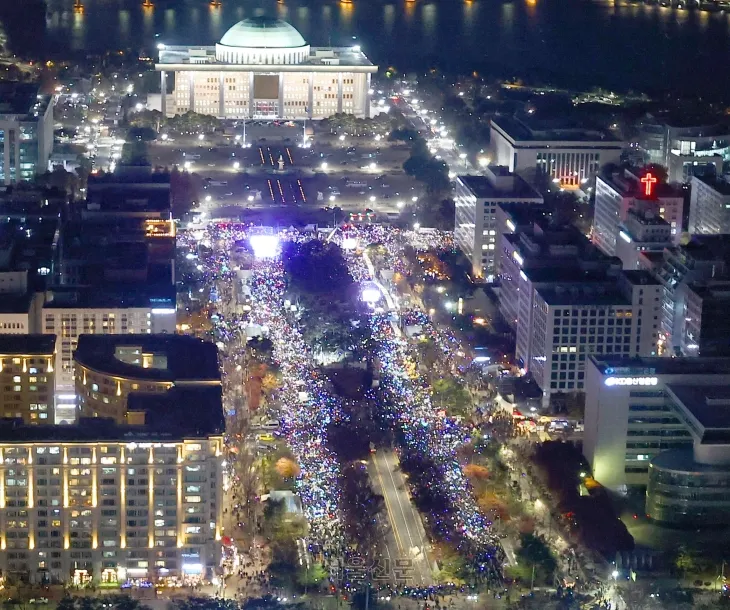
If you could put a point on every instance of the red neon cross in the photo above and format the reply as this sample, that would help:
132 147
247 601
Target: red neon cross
648 182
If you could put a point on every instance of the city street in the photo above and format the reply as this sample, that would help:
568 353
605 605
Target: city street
406 541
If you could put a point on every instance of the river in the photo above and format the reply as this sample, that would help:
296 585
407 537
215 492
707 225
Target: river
571 43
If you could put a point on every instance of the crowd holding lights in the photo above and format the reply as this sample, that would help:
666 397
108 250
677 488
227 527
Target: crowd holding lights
311 406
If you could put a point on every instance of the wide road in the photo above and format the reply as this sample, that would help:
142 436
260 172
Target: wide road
406 543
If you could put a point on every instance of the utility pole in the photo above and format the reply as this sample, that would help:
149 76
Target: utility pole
532 580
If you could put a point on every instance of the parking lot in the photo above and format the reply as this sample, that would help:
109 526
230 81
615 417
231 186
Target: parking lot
273 171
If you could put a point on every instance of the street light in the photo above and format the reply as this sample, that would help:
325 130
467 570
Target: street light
236 165
342 137
201 137
484 161
614 574
324 165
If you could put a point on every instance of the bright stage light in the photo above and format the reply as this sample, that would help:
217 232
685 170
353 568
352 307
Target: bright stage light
371 294
349 243
264 246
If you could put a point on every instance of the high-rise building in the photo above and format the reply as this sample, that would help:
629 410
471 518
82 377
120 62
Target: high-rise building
642 233
685 146
705 324
26 131
544 151
706 257
574 318
475 227
633 414
97 502
516 218
74 312
709 208
27 377
263 68
616 194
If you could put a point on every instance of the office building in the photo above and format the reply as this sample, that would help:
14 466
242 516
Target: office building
705 324
583 315
709 208
632 414
475 228
642 233
100 503
516 218
26 131
111 368
263 68
539 244
641 191
27 377
544 151
69 313
689 486
686 145
705 258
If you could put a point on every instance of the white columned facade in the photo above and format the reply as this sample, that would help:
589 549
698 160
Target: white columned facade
191 84
310 102
251 98
339 92
221 96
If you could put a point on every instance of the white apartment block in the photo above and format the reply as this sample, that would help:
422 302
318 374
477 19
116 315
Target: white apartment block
76 511
475 228
709 208
550 151
630 416
67 323
642 233
569 323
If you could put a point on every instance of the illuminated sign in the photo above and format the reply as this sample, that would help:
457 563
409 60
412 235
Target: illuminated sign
625 236
613 381
510 225
649 180
520 261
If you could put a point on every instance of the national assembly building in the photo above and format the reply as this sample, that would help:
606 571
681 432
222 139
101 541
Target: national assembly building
263 68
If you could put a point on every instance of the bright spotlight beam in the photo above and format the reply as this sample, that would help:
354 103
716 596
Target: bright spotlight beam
264 246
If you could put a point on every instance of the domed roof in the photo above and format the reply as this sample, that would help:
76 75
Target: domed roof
263 33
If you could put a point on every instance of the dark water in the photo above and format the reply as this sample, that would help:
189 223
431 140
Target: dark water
576 43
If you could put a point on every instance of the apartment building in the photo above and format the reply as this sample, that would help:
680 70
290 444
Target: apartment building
27 377
476 199
100 503
705 325
642 233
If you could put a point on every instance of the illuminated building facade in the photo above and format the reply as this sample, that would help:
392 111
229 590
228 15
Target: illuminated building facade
111 510
551 151
709 207
476 199
27 377
632 415
132 493
642 192
263 68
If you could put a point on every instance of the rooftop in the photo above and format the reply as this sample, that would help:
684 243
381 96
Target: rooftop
41 345
616 365
682 460
717 291
524 214
709 405
629 184
599 293
513 187
22 99
263 33
112 297
527 128
15 303
640 277
186 359
204 58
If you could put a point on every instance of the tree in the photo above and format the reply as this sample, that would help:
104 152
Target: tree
685 561
287 468
312 575
447 393
135 153
534 551
151 119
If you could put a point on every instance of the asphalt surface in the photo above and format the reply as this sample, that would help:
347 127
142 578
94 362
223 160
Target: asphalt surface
406 544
